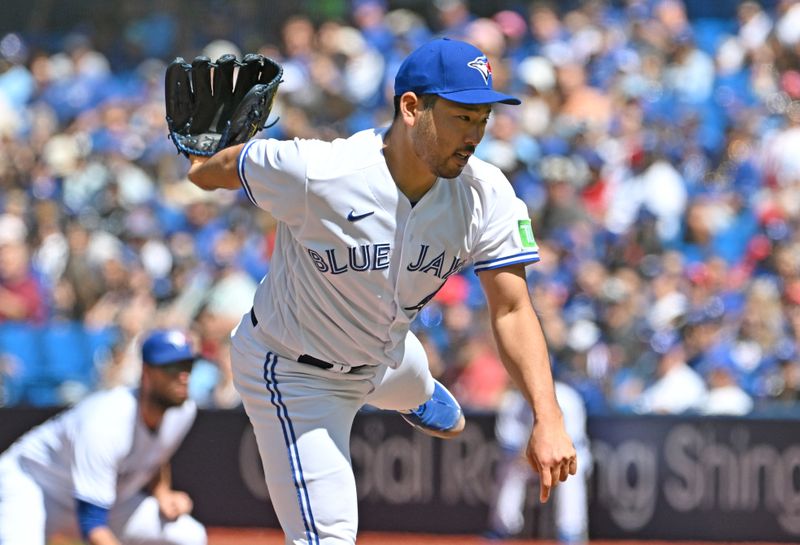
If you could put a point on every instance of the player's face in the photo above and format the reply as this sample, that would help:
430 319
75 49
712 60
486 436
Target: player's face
170 383
446 135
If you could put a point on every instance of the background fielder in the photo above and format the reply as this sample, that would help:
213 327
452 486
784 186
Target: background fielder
85 471
369 229
512 427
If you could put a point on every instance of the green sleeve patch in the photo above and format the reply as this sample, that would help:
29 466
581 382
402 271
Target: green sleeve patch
526 234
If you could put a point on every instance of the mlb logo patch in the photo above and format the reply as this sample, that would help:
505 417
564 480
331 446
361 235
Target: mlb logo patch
481 64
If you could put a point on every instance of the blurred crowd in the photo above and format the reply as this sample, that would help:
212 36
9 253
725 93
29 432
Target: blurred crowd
659 156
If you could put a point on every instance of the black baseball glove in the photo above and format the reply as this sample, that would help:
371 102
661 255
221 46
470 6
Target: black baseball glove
205 118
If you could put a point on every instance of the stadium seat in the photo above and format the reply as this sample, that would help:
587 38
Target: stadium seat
41 393
66 353
20 348
20 360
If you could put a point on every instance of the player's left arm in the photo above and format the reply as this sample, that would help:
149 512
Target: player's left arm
172 503
523 350
220 171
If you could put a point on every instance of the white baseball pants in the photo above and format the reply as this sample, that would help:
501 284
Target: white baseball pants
302 417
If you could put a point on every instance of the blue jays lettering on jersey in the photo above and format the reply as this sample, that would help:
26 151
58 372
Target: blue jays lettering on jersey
340 214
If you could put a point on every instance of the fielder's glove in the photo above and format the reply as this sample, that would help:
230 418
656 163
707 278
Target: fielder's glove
205 118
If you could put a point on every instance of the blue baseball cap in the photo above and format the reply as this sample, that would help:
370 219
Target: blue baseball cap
163 347
451 69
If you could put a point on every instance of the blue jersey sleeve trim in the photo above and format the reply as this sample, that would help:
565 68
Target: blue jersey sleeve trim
529 257
90 516
240 170
525 255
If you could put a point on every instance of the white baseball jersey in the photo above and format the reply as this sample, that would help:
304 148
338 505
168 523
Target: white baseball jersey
355 261
100 451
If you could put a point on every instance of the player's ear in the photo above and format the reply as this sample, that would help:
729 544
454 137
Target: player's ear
410 107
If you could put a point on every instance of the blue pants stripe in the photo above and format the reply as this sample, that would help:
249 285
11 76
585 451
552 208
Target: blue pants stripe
303 499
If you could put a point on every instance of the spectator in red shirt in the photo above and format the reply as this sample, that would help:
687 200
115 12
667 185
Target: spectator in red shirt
20 293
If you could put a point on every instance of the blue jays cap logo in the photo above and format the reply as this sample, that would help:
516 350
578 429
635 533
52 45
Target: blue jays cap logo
176 339
444 67
481 64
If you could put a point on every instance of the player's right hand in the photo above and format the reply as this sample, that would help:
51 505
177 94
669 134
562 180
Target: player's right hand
174 503
552 455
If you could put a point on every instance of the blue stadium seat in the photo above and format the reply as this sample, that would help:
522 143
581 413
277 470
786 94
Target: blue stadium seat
20 360
101 340
42 393
66 353
709 32
19 347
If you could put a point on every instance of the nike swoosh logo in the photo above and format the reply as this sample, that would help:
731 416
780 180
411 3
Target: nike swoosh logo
353 217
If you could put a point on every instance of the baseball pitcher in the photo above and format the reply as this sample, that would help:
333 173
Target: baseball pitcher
369 229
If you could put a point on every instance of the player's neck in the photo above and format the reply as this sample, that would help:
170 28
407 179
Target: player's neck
411 176
152 413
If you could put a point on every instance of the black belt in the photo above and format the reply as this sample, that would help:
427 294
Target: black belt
305 358
322 364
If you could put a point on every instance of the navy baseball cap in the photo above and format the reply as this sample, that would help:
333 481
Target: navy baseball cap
163 347
452 69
